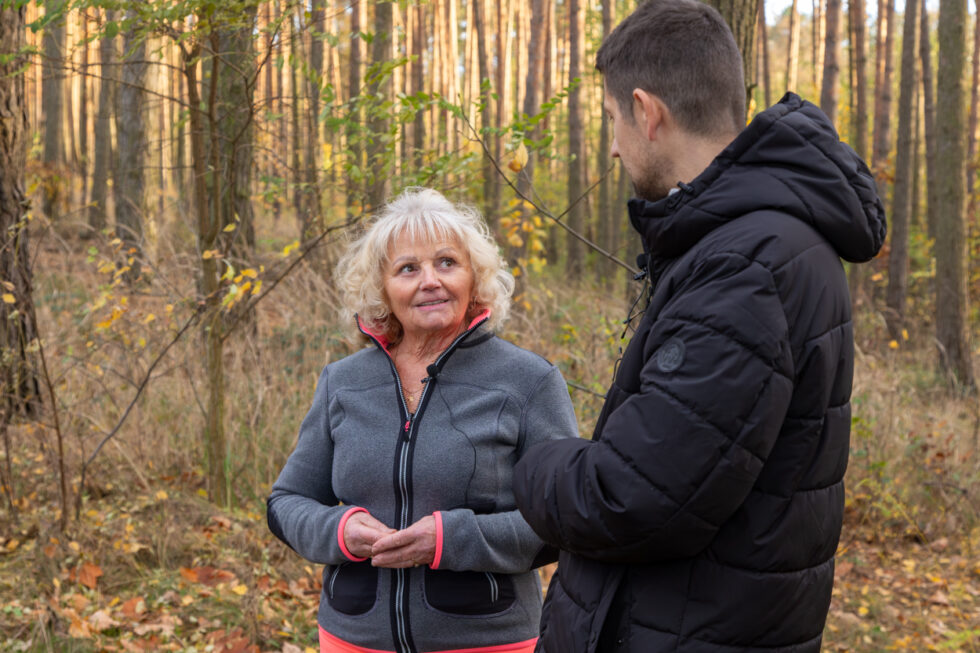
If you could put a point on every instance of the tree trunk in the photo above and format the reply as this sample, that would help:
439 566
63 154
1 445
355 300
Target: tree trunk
818 37
418 79
576 139
609 217
742 18
883 95
929 119
355 186
130 183
491 184
83 157
971 156
234 66
18 372
951 295
311 144
532 92
793 48
859 123
764 47
378 91
829 91
53 94
898 259
98 215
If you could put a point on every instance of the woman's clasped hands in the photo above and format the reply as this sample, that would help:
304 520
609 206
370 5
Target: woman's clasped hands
366 537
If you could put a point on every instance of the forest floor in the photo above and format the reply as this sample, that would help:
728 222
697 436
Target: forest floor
159 568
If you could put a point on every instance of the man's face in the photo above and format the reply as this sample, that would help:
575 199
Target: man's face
647 169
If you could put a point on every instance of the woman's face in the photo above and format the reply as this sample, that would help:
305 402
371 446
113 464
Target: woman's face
428 285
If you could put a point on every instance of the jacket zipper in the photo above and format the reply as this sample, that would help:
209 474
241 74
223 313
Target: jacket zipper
402 632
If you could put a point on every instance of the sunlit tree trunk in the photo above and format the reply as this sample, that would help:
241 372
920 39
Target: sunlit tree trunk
793 48
418 82
311 144
764 48
971 152
829 91
130 183
576 140
951 278
898 259
83 157
102 165
928 118
818 41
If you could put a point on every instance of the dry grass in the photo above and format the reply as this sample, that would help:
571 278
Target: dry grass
909 575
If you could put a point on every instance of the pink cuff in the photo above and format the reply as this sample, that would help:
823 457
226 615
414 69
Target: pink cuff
437 558
340 533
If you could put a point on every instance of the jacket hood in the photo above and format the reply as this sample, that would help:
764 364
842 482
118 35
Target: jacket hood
789 159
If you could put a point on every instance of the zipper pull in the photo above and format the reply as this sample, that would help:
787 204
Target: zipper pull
408 423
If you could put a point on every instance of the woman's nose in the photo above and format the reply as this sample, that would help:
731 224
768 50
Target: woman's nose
429 277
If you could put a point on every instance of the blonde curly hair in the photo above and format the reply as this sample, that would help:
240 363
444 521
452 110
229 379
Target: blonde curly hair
425 215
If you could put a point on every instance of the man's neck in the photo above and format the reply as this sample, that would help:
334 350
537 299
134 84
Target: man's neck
697 153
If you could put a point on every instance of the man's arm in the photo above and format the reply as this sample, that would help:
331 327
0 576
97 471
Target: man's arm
676 459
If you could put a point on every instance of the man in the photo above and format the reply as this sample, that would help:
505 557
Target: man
705 513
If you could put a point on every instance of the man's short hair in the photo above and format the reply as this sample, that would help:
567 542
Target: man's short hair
683 52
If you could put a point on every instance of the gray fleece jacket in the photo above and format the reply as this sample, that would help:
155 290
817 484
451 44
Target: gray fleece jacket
486 402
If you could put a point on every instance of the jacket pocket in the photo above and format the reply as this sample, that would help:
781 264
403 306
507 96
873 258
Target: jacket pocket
352 587
468 592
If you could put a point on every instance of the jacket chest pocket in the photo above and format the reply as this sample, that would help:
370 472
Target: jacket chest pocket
469 593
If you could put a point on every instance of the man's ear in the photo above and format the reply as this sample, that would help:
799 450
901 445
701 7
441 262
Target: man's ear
650 112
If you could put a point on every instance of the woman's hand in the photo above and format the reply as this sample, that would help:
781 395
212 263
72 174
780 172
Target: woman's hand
361 532
411 547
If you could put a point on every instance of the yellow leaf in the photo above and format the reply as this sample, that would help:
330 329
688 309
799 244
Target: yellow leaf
258 287
9 299
893 344
516 271
230 227
240 589
863 611
250 273
141 342
161 495
290 247
74 546
877 276
520 158
211 253
905 334
12 545
149 318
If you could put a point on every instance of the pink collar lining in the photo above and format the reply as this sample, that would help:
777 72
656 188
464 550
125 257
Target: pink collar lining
383 342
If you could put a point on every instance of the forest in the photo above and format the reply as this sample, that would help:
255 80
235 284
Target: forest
179 178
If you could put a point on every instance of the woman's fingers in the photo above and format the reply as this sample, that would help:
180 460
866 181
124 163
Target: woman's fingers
361 532
411 547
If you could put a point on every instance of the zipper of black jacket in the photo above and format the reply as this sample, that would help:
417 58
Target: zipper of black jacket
401 632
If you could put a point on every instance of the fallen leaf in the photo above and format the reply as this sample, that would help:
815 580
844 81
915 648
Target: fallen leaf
939 598
101 620
134 607
89 574
291 648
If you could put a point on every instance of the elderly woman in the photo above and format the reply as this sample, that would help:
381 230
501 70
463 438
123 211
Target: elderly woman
400 482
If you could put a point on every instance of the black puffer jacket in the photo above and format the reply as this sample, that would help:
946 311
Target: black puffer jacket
705 513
